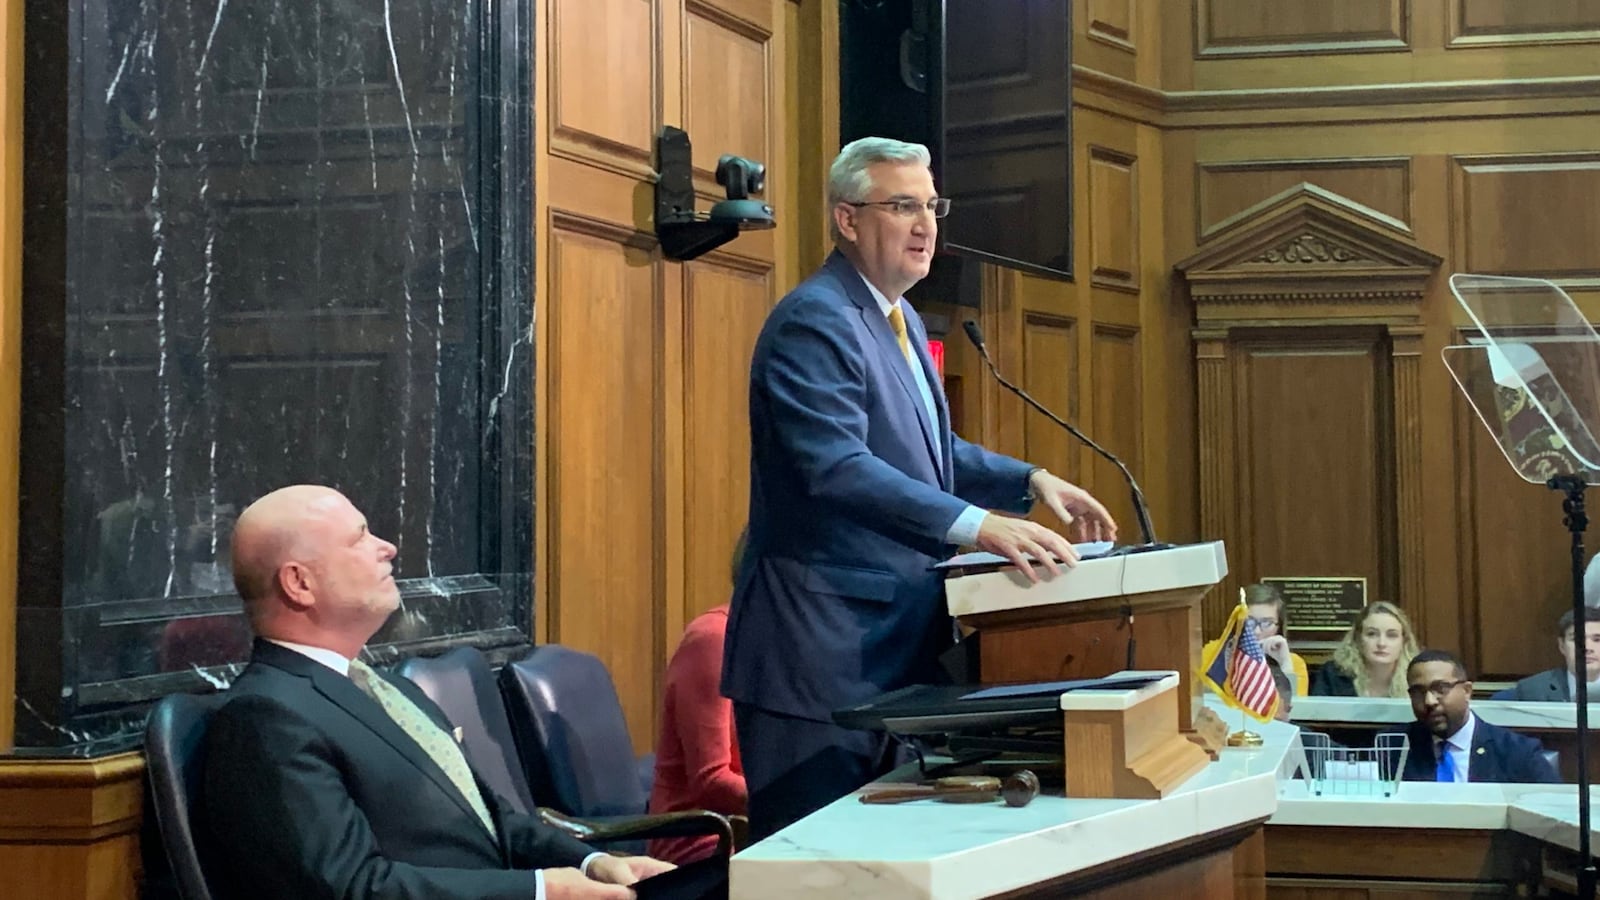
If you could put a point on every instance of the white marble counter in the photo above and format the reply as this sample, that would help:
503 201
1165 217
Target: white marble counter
1397 711
928 849
1552 816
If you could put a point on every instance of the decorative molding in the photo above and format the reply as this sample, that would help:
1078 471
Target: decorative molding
1329 173
1311 248
1406 363
1392 36
69 829
1112 34
1215 390
1461 32
1307 245
1371 95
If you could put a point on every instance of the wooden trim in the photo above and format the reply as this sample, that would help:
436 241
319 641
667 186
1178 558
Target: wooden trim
1213 375
1396 38
1365 95
11 52
69 829
1406 361
70 800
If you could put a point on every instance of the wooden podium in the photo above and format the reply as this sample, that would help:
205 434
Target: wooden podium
1082 623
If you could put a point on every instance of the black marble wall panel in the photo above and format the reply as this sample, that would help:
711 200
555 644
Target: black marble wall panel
266 242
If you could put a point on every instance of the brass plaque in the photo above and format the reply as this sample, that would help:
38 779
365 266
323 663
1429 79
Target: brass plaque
1320 609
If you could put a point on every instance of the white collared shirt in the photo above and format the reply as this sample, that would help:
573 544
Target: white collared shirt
1460 747
339 663
964 530
330 658
1572 689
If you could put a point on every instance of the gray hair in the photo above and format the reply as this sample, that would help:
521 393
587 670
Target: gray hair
848 181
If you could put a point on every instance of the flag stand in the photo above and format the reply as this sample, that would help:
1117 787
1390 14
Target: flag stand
1244 737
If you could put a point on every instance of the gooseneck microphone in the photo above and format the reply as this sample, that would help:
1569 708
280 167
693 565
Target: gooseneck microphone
1140 509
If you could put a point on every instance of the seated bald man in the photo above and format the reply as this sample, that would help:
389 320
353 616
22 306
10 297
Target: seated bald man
324 778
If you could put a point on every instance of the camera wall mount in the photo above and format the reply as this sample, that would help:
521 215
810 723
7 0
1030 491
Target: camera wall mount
684 233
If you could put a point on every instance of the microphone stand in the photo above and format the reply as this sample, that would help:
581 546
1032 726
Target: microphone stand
1577 520
1140 509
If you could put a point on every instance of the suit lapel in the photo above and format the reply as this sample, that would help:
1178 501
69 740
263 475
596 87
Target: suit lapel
343 693
919 341
889 348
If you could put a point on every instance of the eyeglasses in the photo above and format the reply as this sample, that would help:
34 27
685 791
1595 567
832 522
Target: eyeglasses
908 207
1438 689
1262 624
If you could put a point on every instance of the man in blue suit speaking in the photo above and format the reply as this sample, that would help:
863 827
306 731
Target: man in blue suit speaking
857 487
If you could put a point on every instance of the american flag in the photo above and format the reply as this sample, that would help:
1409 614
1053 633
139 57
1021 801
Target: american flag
1249 679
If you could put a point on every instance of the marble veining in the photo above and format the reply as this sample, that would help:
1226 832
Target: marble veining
295 249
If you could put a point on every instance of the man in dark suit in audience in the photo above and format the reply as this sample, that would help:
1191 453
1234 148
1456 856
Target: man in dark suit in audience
325 778
1449 743
1560 684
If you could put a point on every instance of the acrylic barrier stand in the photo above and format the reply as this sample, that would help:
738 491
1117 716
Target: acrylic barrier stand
1531 371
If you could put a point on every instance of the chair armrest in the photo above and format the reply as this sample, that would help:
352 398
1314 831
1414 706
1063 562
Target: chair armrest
604 829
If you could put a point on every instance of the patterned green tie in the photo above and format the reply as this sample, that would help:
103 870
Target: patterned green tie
439 744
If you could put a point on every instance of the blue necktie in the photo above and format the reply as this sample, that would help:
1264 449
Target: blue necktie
1446 770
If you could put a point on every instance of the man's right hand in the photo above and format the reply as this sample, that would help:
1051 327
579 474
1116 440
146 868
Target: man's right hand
1017 539
571 884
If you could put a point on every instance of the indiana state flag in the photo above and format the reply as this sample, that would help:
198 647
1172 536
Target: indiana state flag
1236 669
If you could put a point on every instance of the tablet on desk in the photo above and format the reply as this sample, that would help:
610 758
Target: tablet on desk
705 879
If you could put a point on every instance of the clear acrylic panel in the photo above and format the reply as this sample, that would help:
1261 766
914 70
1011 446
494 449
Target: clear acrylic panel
1532 374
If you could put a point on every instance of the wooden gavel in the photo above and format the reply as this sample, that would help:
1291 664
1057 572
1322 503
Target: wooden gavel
1018 789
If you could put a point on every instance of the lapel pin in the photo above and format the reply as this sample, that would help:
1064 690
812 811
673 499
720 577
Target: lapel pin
1480 749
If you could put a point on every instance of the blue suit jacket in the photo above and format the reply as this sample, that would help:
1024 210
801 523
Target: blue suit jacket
849 506
1498 755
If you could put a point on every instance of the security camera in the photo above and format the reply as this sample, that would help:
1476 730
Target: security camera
741 177
685 233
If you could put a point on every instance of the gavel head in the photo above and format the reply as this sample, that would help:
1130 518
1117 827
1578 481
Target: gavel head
1019 788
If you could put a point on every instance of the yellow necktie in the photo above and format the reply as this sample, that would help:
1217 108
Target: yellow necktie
440 746
897 321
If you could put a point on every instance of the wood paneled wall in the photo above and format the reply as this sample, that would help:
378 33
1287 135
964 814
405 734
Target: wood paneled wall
643 448
1471 125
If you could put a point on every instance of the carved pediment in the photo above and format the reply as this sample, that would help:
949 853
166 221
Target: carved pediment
1308 245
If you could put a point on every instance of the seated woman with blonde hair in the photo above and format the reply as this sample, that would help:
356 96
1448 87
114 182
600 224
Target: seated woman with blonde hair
1371 659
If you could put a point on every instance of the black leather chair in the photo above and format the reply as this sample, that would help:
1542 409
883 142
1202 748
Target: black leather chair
571 733
172 741
461 683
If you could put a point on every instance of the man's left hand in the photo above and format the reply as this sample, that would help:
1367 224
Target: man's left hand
626 870
1074 506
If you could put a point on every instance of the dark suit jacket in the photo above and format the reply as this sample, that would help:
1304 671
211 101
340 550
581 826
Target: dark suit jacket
1549 685
1332 681
849 506
1498 755
311 790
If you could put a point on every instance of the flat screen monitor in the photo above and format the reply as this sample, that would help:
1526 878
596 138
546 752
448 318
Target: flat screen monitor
986 85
